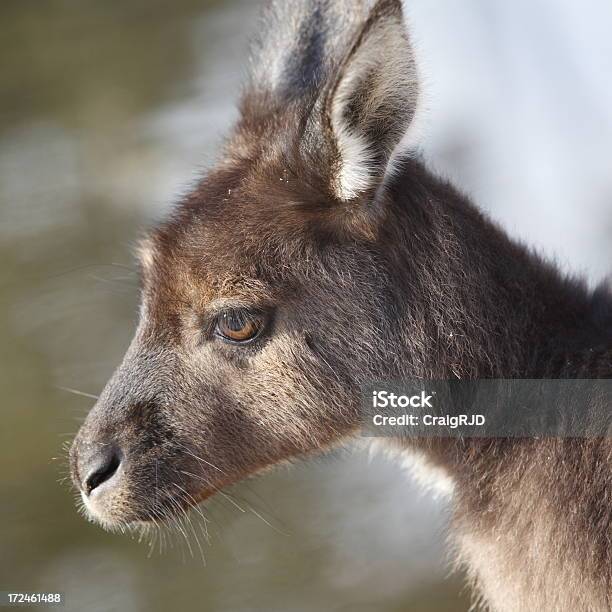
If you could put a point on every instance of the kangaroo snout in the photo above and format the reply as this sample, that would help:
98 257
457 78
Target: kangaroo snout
114 463
115 456
99 465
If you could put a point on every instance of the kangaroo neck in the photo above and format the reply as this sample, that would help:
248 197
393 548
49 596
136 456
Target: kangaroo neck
474 303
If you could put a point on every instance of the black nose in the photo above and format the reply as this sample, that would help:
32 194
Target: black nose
100 467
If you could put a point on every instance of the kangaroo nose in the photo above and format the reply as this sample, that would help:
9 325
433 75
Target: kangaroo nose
100 467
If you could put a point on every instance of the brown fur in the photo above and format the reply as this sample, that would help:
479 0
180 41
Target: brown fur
405 279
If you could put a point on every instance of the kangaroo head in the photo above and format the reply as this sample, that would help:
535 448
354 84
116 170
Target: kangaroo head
265 300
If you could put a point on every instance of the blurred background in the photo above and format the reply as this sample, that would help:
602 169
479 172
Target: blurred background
108 111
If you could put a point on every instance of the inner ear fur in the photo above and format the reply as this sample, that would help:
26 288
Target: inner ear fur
372 102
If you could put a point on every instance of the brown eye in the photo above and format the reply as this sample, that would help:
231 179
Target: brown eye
239 326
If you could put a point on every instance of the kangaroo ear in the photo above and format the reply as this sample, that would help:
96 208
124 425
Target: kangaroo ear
372 101
332 89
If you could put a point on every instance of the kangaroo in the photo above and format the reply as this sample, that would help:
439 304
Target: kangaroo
316 257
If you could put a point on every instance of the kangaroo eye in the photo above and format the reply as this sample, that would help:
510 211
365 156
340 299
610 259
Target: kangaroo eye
239 326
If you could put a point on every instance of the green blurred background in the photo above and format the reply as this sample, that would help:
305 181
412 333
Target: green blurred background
108 110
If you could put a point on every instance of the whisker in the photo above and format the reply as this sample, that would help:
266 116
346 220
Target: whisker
228 496
202 460
225 495
193 501
87 267
179 525
268 523
77 392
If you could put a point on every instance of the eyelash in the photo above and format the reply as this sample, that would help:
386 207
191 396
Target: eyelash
229 325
